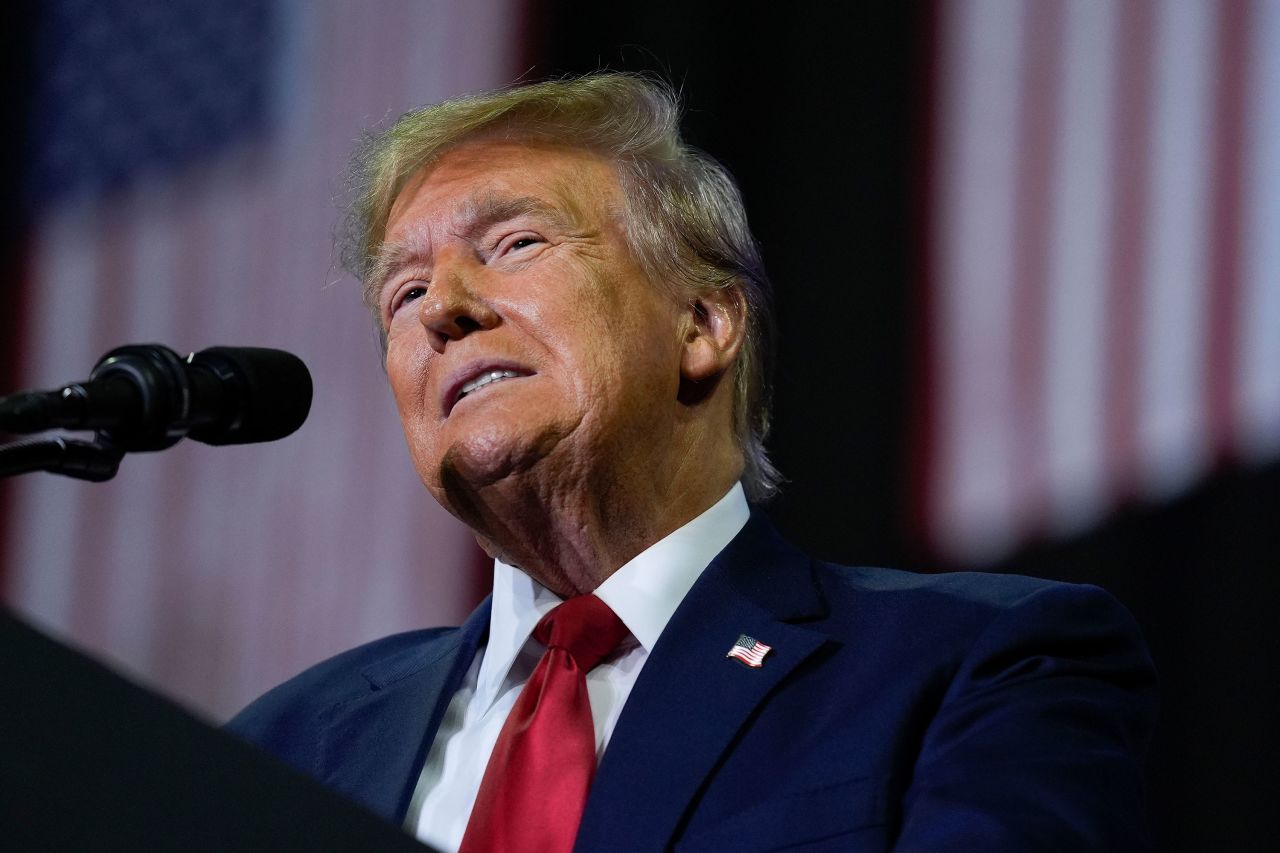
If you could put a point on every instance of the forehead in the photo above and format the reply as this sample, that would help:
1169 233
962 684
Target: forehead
482 175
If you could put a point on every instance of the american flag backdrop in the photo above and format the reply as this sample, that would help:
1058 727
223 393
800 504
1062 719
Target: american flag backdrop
185 172
1103 287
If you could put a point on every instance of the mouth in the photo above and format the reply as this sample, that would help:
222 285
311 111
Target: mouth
476 381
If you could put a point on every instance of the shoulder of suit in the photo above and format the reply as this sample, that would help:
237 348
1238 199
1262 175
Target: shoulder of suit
975 597
330 683
963 585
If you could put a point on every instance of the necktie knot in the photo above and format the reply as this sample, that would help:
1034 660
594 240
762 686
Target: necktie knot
585 627
535 786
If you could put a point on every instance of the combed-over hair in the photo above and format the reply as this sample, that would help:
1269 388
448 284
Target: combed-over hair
685 220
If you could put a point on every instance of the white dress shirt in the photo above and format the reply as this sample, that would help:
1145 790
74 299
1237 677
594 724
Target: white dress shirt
644 593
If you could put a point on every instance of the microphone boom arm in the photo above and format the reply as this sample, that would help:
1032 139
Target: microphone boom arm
95 461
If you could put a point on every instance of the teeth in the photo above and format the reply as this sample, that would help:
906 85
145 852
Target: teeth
486 379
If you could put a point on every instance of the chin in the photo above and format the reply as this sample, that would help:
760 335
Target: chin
475 467
467 471
496 452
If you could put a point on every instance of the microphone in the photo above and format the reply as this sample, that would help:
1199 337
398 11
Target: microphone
147 397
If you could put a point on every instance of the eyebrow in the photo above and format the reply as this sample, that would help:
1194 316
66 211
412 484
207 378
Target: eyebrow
477 214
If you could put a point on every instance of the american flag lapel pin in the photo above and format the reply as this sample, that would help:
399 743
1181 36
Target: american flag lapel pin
749 650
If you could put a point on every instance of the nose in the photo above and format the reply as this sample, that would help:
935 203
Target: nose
452 307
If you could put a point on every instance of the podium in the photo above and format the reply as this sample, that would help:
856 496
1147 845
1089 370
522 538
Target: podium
92 762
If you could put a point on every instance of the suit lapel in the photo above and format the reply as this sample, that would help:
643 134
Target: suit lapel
690 700
372 748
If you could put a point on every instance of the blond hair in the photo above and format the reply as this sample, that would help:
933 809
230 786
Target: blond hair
685 219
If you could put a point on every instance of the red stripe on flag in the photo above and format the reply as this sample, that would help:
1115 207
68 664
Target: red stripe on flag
922 459
1038 136
1131 131
15 267
1225 247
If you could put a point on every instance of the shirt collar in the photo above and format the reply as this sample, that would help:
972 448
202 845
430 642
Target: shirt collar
644 592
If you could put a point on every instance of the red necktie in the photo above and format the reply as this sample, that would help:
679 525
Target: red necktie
535 785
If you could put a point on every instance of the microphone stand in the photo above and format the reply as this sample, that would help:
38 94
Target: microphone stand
95 461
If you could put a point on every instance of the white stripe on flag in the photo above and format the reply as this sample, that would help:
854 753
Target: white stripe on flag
1259 367
979 67
1172 439
1079 247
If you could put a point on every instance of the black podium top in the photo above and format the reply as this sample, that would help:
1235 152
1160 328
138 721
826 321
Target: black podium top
90 761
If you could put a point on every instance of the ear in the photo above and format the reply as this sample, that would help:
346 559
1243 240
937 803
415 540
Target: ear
715 332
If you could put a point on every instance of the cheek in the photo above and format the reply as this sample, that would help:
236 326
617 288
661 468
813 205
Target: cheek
407 376
401 380
635 358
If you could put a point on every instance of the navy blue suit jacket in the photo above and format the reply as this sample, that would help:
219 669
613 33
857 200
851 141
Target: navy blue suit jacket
950 712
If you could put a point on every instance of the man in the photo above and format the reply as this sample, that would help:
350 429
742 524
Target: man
576 327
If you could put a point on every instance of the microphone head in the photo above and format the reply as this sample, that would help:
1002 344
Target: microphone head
273 388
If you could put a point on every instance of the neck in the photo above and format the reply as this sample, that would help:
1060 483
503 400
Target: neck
571 533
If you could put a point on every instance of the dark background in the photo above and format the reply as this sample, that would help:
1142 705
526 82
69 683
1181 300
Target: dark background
17 22
821 111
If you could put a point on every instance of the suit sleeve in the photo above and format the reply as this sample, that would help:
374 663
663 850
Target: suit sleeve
1039 741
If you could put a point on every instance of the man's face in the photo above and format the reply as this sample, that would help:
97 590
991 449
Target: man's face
523 340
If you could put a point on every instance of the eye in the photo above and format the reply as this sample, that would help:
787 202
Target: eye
409 294
516 243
